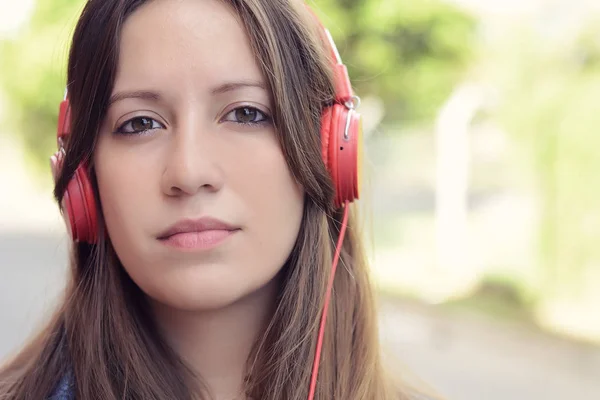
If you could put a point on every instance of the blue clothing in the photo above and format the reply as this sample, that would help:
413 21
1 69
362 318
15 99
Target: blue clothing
64 390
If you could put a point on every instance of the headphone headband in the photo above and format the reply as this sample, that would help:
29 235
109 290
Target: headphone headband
64 121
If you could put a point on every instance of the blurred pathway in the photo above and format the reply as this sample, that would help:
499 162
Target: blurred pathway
470 358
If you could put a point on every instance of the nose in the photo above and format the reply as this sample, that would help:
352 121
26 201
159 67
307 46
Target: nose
192 160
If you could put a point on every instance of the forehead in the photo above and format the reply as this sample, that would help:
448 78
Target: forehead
187 43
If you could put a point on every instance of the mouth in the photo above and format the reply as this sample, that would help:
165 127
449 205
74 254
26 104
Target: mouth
199 234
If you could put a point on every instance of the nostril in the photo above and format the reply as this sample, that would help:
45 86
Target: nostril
176 190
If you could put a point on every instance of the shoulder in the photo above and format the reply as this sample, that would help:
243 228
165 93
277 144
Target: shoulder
64 390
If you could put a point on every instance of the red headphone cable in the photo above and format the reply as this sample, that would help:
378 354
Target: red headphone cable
315 370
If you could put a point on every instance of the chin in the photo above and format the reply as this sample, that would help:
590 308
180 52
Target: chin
199 297
204 286
200 291
193 302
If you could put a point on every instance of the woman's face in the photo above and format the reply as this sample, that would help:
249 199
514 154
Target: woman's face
188 139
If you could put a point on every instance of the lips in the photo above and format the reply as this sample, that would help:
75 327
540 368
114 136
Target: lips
196 226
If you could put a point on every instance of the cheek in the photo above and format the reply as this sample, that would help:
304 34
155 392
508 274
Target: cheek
276 203
124 187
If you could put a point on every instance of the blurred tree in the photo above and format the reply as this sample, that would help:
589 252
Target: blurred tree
32 75
410 53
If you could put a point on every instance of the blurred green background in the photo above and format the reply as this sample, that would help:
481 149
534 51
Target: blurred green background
482 144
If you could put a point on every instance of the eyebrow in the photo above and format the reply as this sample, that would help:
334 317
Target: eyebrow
232 86
137 94
156 96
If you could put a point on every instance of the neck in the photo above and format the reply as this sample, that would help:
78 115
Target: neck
216 343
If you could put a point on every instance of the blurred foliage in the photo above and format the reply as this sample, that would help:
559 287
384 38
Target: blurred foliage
410 53
502 297
33 75
551 91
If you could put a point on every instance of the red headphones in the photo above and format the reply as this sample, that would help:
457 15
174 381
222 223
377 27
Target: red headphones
341 130
341 138
78 201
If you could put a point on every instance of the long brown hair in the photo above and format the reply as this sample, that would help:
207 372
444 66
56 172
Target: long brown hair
103 334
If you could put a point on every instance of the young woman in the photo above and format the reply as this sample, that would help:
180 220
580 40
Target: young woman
208 156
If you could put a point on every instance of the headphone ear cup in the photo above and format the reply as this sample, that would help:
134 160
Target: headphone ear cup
333 154
325 135
350 157
79 203
342 152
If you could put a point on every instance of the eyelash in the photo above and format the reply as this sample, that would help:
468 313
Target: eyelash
265 119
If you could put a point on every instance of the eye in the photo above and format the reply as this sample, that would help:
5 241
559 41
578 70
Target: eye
247 116
139 125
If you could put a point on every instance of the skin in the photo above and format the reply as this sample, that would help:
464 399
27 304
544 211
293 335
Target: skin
191 157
